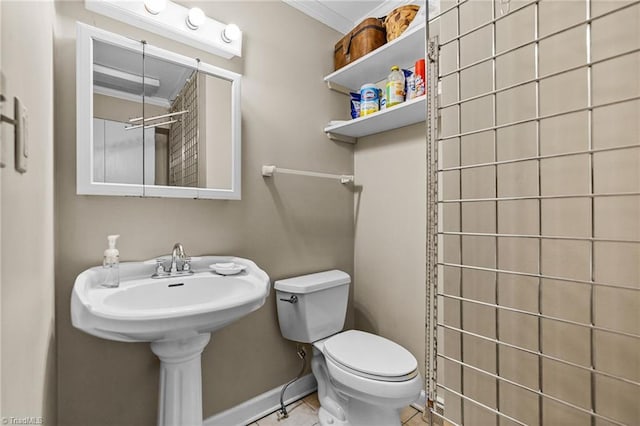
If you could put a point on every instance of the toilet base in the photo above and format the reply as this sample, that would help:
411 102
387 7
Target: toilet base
341 409
366 415
326 419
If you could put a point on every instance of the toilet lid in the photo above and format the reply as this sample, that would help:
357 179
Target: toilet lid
370 354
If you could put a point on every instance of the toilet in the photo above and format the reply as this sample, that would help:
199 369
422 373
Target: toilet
363 379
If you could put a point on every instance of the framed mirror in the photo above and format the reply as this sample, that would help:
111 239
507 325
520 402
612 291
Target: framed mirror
151 122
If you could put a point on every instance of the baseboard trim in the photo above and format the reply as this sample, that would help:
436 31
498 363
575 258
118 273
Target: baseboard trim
269 402
263 404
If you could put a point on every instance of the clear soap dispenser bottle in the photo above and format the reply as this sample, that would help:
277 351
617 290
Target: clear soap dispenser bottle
111 263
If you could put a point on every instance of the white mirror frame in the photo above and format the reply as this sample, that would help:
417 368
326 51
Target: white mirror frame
85 185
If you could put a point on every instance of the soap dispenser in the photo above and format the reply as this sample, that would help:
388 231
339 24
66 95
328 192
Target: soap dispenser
111 263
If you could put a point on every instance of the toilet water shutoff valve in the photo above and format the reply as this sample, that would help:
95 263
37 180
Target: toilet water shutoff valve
302 354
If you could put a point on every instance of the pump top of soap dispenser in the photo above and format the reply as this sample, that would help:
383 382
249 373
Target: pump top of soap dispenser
111 254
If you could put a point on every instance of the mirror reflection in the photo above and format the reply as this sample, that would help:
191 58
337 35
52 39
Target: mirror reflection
159 123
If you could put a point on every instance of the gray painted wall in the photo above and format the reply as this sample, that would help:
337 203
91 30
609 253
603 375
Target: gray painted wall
288 225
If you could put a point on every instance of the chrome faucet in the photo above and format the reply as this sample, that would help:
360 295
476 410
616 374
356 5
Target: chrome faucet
180 264
177 254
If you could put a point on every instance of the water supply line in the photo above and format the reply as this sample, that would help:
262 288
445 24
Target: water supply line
302 354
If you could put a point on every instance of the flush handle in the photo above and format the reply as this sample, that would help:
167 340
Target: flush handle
292 299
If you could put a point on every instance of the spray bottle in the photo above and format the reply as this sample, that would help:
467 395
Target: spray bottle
111 263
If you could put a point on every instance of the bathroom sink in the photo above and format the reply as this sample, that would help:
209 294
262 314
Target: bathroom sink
143 309
175 313
176 296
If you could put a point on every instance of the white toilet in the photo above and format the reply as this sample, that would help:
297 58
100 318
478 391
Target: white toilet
363 379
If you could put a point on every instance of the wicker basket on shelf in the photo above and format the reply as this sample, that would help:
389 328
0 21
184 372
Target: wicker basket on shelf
399 19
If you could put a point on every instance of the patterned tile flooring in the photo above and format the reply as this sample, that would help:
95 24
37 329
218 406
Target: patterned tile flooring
304 412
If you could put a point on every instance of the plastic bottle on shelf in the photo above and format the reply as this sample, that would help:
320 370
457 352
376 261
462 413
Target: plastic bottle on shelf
420 78
395 87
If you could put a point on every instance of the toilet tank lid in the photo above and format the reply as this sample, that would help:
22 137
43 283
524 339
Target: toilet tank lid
313 282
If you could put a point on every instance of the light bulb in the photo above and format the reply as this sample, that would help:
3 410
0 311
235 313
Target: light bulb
155 6
195 18
230 33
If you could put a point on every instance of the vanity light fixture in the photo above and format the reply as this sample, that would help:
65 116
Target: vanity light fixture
195 18
155 6
190 26
230 33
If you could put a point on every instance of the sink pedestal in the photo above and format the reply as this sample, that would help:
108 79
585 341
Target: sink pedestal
180 380
177 314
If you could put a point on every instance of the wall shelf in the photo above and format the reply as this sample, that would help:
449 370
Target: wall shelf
405 114
374 67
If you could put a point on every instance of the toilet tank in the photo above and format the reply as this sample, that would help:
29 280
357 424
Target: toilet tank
312 307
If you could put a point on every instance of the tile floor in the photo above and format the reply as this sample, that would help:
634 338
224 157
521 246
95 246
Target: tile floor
305 413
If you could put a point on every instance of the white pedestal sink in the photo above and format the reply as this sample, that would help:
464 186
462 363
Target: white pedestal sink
175 314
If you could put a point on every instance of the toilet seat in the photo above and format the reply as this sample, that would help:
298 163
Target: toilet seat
375 391
370 356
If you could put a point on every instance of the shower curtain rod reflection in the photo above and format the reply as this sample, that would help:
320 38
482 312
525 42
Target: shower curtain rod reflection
149 126
269 171
157 117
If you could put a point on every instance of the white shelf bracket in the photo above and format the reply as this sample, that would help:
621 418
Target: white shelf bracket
341 138
338 88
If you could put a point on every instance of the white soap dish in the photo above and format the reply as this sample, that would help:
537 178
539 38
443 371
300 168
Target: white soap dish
227 268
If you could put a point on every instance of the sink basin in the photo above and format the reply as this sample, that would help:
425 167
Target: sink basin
196 293
143 309
176 314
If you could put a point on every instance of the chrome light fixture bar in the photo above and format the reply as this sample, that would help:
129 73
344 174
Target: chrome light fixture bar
168 19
